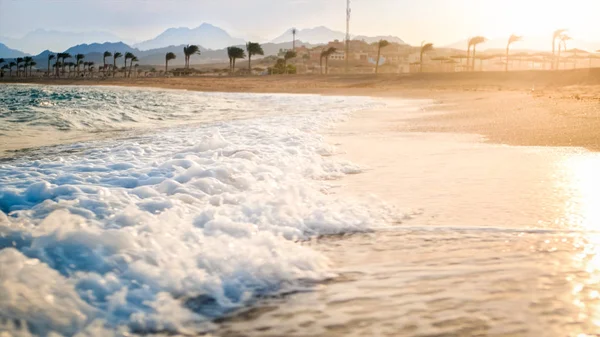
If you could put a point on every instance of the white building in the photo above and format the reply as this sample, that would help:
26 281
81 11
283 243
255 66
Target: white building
339 55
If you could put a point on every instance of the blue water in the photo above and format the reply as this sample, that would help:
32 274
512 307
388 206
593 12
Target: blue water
194 217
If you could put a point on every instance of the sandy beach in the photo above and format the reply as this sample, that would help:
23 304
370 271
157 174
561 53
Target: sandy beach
465 237
518 108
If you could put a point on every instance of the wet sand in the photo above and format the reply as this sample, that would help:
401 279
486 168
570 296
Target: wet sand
496 240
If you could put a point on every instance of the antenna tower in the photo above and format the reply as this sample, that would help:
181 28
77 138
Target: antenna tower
347 54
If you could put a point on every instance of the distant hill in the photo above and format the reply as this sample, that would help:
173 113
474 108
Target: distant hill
206 35
6 52
101 48
322 35
156 57
316 35
41 39
372 39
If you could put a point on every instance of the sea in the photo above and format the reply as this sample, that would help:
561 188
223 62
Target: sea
137 212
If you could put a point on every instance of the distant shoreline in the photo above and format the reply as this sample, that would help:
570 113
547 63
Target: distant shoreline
531 108
353 84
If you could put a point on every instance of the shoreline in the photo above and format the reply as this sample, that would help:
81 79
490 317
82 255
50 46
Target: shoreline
521 108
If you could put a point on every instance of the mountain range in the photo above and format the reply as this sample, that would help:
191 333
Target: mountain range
156 57
41 39
6 52
206 35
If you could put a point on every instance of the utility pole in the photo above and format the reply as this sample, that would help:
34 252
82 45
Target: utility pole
348 11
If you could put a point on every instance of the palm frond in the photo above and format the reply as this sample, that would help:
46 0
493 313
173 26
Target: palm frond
426 47
514 38
254 48
558 33
477 40
170 56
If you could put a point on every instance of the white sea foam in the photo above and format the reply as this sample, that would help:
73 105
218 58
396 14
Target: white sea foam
166 231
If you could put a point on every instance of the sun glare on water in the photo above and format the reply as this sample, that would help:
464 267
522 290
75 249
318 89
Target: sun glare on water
582 213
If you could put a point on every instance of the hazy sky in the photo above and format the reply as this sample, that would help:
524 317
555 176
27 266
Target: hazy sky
439 21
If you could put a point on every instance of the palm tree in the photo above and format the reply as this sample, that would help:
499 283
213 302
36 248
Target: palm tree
71 65
294 32
188 51
563 41
290 54
253 48
31 65
469 45
10 66
79 60
85 66
64 57
380 44
19 61
91 68
133 59
4 67
170 56
116 55
57 68
425 47
234 53
128 55
325 55
50 58
135 69
557 34
104 56
512 39
474 42
2 60
26 62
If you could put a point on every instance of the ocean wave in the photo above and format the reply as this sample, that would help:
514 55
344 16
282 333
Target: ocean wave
165 232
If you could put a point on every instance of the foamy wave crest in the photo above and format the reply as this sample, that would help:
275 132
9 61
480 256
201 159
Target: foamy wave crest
165 232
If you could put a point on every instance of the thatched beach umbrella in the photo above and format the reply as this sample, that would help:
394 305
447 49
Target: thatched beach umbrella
482 58
578 57
543 58
440 58
593 56
460 57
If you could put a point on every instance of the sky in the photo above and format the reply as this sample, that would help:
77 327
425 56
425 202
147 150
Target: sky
439 21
